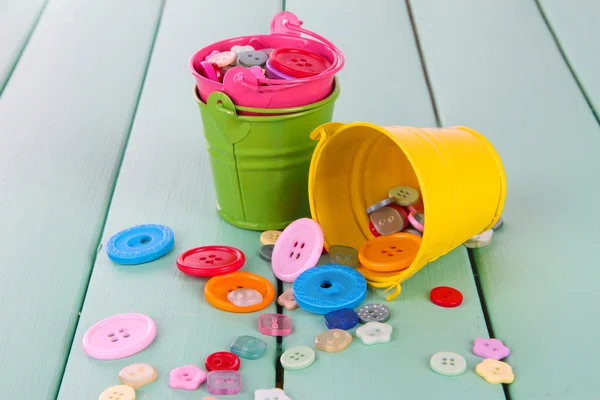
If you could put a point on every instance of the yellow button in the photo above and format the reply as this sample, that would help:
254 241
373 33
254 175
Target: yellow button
269 237
119 392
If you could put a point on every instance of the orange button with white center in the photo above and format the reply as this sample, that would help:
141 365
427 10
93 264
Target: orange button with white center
217 290
389 253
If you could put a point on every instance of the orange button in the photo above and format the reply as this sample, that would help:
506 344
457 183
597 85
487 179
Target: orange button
218 287
389 253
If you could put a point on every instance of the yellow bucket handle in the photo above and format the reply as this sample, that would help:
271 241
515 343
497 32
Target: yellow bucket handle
389 286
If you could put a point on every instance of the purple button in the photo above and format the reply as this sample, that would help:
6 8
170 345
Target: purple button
275 74
224 382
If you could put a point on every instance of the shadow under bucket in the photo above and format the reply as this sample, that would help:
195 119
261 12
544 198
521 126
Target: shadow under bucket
260 163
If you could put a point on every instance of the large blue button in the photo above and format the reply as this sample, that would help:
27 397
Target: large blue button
140 244
327 288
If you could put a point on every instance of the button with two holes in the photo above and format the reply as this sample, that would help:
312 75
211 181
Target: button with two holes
210 260
222 361
445 296
252 58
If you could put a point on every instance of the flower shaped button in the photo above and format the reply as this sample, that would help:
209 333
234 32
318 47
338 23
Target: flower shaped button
445 296
137 375
222 361
240 49
343 255
287 300
387 220
119 336
244 297
298 248
296 358
248 347
188 377
274 324
333 340
224 382
373 313
494 371
140 244
210 260
345 319
447 363
480 240
490 348
374 333
119 392
404 195
270 394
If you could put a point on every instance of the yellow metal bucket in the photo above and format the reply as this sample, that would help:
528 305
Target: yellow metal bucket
458 173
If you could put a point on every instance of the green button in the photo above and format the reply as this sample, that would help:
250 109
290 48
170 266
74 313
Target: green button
404 195
296 358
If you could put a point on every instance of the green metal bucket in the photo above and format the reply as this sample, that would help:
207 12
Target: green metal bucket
260 163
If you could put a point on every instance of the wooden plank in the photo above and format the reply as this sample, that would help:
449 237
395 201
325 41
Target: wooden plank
17 20
388 92
495 67
575 25
165 178
64 118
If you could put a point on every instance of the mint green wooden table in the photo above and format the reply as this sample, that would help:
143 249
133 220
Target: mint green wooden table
99 132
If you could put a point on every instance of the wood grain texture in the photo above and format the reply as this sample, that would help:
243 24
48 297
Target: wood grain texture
575 25
389 92
165 178
17 20
63 121
495 67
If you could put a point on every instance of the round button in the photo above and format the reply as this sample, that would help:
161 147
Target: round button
417 220
447 363
222 361
298 357
373 230
210 260
298 63
140 244
118 392
329 288
266 252
389 253
208 70
269 237
252 58
298 248
404 195
223 59
119 336
445 296
218 288
373 313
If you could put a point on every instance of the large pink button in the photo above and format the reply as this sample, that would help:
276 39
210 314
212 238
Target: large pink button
119 336
297 249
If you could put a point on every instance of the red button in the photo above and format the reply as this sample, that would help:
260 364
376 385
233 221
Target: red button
445 296
298 63
210 260
222 361
373 230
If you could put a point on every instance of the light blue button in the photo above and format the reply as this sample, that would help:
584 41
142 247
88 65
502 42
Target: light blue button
248 347
140 244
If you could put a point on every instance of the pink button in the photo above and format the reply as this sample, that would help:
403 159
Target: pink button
119 336
274 324
297 249
223 59
417 220
188 377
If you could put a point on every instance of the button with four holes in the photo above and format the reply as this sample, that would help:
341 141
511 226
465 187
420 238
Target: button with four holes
222 361
140 244
393 252
296 358
345 318
404 195
211 260
224 382
118 392
249 347
298 63
217 290
119 336
333 340
274 324
269 237
252 58
445 296
447 363
373 312
188 377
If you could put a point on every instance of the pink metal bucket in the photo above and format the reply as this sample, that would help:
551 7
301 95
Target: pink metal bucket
246 90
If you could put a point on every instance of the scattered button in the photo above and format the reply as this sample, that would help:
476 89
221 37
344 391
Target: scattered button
402 211
137 375
494 371
274 324
372 229
389 253
240 49
447 363
118 392
445 296
287 300
490 348
404 195
333 340
480 240
119 336
413 232
498 224
140 244
188 377
298 249
270 394
252 58
223 59
380 204
343 255
212 53
224 382
417 220
373 313
208 70
329 288
387 220
374 333
345 318
266 252
298 63
245 297
222 361
218 288
296 358
209 398
269 237
210 260
248 347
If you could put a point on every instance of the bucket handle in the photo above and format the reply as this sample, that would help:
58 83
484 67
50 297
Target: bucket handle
225 118
325 131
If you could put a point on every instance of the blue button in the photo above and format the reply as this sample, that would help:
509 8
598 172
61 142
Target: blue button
248 347
327 288
140 244
344 319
